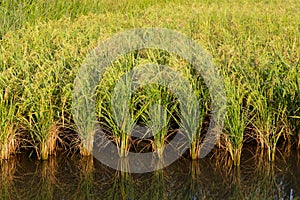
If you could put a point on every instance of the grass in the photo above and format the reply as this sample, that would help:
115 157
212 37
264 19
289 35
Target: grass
255 45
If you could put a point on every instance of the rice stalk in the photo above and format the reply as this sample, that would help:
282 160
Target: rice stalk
40 117
9 114
236 119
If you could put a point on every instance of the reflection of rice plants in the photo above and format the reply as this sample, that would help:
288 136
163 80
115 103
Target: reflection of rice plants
192 186
46 182
122 187
8 189
85 187
158 186
268 186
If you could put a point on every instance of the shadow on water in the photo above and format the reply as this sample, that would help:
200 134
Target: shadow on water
87 178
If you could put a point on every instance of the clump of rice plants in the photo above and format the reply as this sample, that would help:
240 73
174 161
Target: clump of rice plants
269 124
42 46
40 113
237 118
194 106
8 117
159 128
122 104
8 125
269 109
157 115
41 124
292 101
191 123
123 114
114 108
41 83
203 110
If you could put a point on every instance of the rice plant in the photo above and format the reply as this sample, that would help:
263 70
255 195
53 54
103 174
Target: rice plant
194 105
292 100
237 118
115 112
9 114
8 125
42 46
269 125
40 116
270 111
159 106
159 128
154 99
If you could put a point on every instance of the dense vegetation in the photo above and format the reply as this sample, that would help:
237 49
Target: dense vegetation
255 44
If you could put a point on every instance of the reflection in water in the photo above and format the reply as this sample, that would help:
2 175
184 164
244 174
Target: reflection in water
7 186
122 184
85 184
86 178
47 180
157 185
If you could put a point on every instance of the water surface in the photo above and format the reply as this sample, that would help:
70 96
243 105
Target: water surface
208 178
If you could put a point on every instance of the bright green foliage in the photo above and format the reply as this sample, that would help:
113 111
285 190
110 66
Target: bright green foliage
255 45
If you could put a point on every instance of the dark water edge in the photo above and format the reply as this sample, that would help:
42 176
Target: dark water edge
210 178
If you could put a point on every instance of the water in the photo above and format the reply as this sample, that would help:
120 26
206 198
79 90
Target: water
75 178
